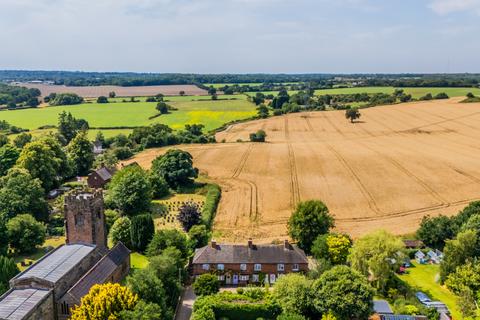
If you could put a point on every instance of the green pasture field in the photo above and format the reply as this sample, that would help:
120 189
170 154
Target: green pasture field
210 113
252 84
177 98
424 278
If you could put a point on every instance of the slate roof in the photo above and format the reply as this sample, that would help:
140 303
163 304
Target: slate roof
18 303
232 253
413 243
101 271
104 173
382 307
53 266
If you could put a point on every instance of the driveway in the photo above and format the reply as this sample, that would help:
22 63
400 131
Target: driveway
184 311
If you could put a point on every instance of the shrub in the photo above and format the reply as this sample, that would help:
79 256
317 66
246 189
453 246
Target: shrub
211 203
189 215
168 238
120 231
198 236
25 233
8 269
102 99
141 231
62 99
441 95
258 136
206 284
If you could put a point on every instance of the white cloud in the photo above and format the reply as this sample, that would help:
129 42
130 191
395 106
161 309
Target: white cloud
444 7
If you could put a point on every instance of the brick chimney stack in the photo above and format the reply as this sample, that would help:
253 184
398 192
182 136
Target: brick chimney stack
213 244
250 243
286 245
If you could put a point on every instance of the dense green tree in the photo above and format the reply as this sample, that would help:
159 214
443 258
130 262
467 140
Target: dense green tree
145 311
8 269
258 136
3 140
45 160
352 114
21 193
168 238
68 126
8 157
343 292
378 256
463 216
176 167
291 316
465 276
3 236
63 99
194 129
470 95
262 111
106 159
102 99
473 223
122 153
189 215
142 229
148 287
120 231
130 190
310 219
433 231
458 251
293 293
441 95
110 217
162 107
160 186
112 94
426 97
25 233
332 247
198 236
80 151
206 284
22 139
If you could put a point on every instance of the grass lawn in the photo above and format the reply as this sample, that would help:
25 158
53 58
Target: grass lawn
138 261
210 113
39 252
424 277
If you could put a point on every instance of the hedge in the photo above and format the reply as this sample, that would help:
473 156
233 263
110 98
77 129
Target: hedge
234 306
211 203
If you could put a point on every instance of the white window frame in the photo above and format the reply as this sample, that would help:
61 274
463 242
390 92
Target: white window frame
205 266
257 267
243 266
244 277
221 277
280 267
255 277
220 267
295 267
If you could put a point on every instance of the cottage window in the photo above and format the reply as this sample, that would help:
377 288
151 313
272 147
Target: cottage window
220 266
255 278
280 267
244 277
243 266
205 266
221 278
258 267
295 267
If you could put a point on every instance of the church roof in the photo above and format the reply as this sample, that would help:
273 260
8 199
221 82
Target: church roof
53 266
101 271
18 303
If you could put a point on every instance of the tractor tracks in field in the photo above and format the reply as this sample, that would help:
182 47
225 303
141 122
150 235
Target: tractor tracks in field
294 185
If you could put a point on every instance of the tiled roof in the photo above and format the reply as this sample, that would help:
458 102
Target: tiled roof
101 271
382 307
228 253
104 174
18 303
53 266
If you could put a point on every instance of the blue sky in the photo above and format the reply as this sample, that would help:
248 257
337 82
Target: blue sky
240 36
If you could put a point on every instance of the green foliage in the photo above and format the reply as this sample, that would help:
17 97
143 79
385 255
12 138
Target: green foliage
473 223
102 99
3 236
352 114
332 247
22 139
162 107
110 217
293 294
106 159
64 99
458 251
433 231
130 190
258 136
463 216
25 233
378 256
206 284
145 311
211 203
8 157
262 111
291 316
465 276
165 238
343 292
8 269
80 151
176 167
441 95
198 236
68 126
310 219
148 287
120 231
142 229
160 187
20 193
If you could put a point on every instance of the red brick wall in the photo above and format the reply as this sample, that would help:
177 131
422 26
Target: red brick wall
235 268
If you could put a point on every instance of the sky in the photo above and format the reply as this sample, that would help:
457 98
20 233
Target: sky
241 36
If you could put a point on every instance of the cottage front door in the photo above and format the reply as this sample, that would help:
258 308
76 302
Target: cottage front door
272 278
235 279
228 279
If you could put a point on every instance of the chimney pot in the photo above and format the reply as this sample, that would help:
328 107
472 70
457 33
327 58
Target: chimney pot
213 244
250 243
286 244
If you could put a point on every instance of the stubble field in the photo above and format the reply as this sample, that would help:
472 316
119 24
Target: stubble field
396 165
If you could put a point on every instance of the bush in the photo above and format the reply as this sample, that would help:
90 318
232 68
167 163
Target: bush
206 284
159 185
441 95
102 99
122 153
25 233
198 236
62 99
168 238
189 215
8 269
141 231
258 136
211 203
120 232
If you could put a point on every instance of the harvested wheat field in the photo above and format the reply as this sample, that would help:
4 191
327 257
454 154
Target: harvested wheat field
388 170
97 91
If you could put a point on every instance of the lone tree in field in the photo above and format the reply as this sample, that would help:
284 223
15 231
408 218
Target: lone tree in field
310 220
352 114
189 215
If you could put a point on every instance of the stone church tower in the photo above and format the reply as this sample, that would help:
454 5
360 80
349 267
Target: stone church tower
84 218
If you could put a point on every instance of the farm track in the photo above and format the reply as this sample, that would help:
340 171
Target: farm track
294 186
